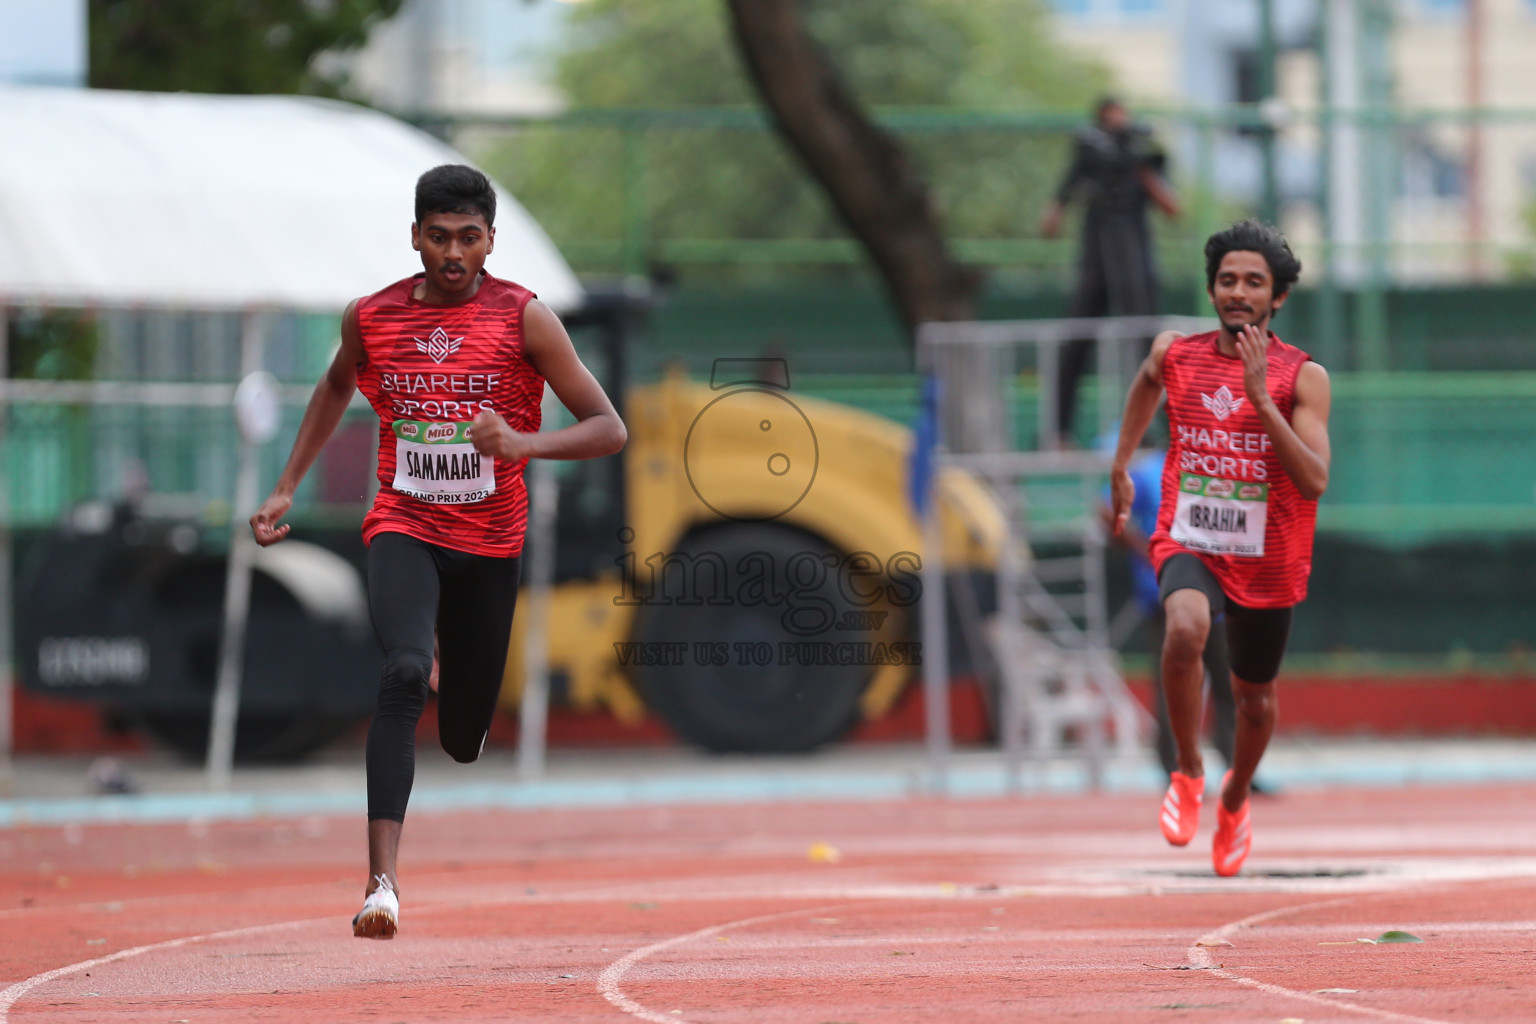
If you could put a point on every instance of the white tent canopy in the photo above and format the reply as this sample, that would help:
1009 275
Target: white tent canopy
224 202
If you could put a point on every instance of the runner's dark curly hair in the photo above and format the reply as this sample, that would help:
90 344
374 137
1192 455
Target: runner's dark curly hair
1254 236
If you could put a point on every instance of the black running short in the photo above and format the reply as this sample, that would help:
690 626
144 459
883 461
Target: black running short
1256 637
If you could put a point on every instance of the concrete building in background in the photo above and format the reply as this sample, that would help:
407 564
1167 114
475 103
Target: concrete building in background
1477 182
1455 200
463 57
435 56
43 43
1450 198
1185 53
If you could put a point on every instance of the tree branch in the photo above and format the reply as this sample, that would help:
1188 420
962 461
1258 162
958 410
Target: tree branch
863 170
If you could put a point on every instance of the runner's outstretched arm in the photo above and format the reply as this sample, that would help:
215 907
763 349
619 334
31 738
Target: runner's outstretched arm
325 410
1302 443
597 431
1140 406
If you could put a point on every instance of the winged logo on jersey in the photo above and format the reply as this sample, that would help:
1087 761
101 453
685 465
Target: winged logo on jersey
1221 404
438 345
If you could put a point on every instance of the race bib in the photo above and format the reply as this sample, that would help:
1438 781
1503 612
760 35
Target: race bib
436 462
1221 517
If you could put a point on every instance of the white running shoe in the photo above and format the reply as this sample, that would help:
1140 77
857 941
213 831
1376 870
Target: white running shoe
380 916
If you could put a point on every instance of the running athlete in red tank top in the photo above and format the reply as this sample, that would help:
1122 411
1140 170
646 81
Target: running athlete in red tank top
428 371
1226 497
454 361
1248 458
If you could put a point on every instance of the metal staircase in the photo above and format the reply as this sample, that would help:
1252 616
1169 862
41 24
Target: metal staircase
1055 674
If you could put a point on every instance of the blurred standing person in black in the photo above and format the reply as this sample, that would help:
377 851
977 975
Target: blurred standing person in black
1117 168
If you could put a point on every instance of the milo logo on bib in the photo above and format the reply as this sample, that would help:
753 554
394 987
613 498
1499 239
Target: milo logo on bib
1221 517
431 433
437 462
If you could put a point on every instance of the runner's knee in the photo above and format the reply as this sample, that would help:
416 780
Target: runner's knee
405 679
463 748
1189 624
1255 702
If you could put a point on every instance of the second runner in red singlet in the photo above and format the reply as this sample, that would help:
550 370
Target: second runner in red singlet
1248 457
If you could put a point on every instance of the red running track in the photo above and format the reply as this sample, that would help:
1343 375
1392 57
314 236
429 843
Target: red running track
1024 910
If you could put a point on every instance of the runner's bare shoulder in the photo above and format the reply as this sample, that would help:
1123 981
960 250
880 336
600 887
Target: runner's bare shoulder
1160 346
1164 341
1313 376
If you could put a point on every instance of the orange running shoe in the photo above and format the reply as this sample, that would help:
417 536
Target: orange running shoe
1234 837
1181 808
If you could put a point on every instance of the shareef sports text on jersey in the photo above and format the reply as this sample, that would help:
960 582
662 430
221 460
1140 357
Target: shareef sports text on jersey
1240 443
398 385
1223 502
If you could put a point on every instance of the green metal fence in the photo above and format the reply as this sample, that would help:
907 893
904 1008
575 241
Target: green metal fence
659 192
1417 456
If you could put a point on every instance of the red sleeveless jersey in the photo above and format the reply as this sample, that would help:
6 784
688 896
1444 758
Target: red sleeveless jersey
428 371
1226 498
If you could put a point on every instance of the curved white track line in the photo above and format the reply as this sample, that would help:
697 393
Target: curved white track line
609 981
1200 956
9 996
613 974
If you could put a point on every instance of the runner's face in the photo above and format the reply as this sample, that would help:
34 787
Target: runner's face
1243 291
453 249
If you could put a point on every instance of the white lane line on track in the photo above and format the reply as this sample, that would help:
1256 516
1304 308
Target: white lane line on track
613 974
771 887
462 876
1200 956
608 981
9 996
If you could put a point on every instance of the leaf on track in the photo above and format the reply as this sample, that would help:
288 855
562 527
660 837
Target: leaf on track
1398 936
1213 943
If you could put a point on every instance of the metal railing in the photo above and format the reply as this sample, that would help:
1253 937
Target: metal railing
1053 667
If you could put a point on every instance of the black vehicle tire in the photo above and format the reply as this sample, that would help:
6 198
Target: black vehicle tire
258 740
780 707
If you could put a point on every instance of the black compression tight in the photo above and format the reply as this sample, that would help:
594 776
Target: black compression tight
414 587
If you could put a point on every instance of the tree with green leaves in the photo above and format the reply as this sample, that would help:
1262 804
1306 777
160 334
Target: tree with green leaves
226 46
702 182
864 171
217 46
